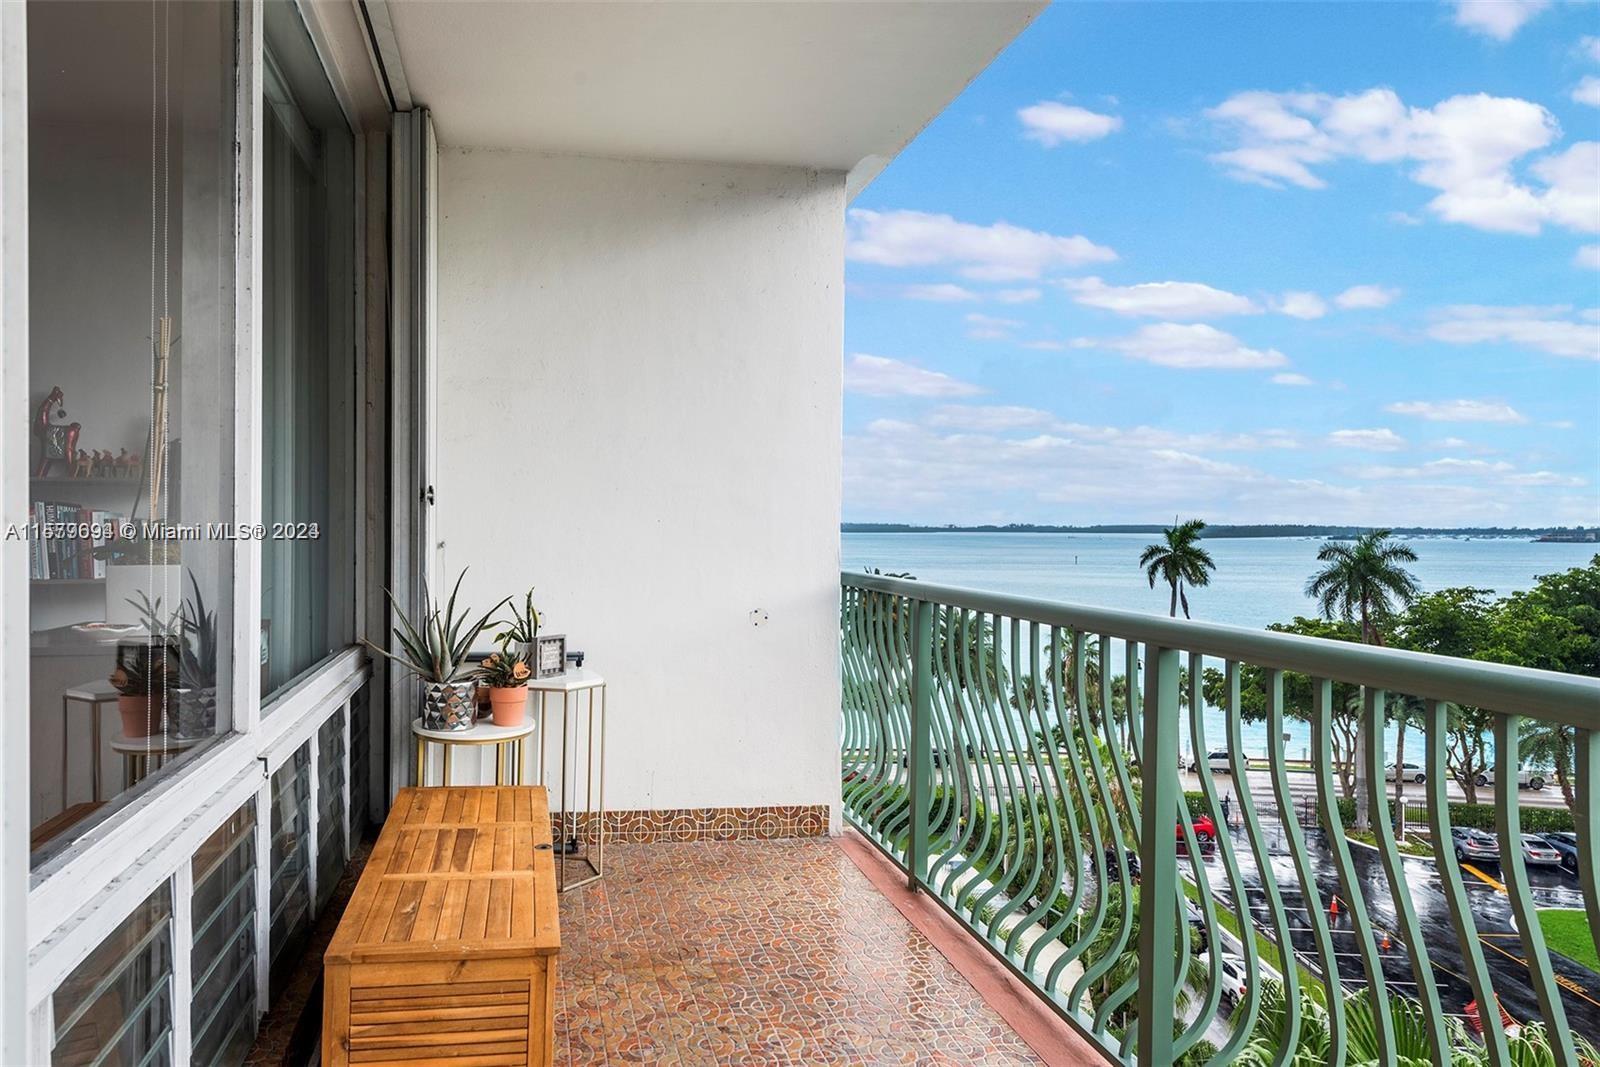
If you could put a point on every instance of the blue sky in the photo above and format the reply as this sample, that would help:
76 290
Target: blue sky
1250 262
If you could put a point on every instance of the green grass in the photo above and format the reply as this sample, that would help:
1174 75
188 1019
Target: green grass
1566 930
1408 846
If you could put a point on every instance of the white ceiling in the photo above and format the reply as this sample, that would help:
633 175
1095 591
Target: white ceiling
806 83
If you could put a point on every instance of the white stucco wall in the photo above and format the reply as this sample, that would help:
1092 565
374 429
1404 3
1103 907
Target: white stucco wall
639 382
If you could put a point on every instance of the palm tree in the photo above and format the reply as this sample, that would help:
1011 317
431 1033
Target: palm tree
1365 581
1178 559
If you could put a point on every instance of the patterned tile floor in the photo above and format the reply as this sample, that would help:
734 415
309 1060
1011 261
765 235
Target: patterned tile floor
758 952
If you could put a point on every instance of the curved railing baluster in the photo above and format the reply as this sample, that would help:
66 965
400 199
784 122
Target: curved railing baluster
1374 702
1239 768
1586 821
1071 847
1230 863
1323 758
1508 820
1116 997
1303 870
996 806
1202 882
1090 930
1436 773
1043 819
1018 800
959 859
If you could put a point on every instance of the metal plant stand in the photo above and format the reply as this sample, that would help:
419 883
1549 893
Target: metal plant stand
580 833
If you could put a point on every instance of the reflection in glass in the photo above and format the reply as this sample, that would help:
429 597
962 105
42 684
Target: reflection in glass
330 806
131 272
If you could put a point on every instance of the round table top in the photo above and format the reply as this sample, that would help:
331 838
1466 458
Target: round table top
154 744
581 678
484 732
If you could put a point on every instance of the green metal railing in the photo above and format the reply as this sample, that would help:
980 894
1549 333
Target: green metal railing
1019 760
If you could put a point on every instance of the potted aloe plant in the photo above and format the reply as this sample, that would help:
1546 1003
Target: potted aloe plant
506 673
197 666
146 671
522 629
435 649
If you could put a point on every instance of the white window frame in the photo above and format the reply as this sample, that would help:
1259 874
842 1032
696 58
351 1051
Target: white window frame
50 922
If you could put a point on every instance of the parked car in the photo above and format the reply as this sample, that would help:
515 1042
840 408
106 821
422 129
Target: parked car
1129 855
1197 922
1527 778
1218 761
1475 845
1537 852
1205 830
1233 976
1413 773
1565 843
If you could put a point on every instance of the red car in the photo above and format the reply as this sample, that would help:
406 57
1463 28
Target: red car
1204 829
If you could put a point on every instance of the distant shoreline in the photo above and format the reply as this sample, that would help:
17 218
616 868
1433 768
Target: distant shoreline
1551 534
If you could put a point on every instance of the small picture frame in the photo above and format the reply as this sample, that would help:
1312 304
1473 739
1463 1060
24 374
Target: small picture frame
549 655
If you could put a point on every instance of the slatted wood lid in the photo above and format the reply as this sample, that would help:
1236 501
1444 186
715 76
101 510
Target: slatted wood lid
456 874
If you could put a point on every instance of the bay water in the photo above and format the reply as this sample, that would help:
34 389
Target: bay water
1258 580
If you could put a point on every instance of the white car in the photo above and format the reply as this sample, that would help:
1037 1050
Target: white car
1412 773
1218 761
1233 977
1527 778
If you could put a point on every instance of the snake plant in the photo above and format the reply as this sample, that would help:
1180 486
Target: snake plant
436 650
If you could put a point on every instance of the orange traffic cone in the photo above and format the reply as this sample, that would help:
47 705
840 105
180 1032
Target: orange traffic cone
1385 943
1333 908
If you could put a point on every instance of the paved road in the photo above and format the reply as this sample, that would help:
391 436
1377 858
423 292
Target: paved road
1502 946
1303 786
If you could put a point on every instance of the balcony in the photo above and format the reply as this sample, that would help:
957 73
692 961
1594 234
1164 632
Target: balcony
995 748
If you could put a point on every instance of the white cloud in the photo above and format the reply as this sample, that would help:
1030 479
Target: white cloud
1587 257
1587 91
1017 296
1464 148
1191 346
1000 252
1383 440
942 292
1300 305
880 376
989 328
1165 300
1548 329
1361 297
1052 123
1458 410
1499 19
1544 478
1291 379
989 418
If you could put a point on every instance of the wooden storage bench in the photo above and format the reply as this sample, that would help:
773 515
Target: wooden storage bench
446 954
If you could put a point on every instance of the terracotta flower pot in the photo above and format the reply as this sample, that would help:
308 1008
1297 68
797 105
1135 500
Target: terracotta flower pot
142 713
510 704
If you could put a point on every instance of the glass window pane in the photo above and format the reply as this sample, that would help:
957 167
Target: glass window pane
360 754
222 1014
131 268
308 365
291 885
330 806
116 1006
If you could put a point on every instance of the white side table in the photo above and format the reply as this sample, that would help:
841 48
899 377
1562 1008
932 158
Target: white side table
95 695
506 739
577 689
142 755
